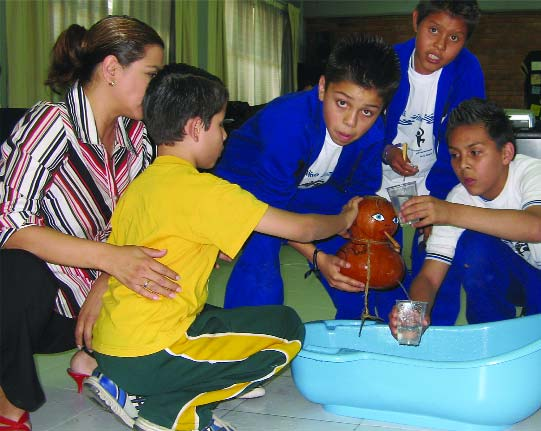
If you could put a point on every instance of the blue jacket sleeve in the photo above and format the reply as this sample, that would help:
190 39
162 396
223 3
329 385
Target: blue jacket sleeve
269 154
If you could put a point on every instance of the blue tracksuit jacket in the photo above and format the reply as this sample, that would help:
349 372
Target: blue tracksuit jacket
269 155
460 80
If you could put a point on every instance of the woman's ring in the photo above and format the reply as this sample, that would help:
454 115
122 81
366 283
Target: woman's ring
145 284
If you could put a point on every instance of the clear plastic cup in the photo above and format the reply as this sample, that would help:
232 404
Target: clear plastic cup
410 321
400 194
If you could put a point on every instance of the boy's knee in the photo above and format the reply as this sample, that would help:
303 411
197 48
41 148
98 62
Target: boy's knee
475 249
292 321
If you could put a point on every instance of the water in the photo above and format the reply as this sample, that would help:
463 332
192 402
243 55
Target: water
398 200
409 335
404 289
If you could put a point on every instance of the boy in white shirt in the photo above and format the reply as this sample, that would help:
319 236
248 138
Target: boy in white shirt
487 234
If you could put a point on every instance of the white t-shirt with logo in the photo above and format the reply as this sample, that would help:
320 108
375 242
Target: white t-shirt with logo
522 190
323 167
416 128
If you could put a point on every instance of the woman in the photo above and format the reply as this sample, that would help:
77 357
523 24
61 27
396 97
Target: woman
61 172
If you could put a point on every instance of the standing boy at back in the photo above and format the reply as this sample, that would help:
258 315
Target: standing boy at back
184 356
438 72
487 234
311 152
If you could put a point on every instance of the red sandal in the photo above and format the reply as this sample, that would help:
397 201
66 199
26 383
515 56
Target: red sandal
79 378
23 424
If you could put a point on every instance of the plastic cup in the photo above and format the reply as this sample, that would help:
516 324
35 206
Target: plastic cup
400 194
410 321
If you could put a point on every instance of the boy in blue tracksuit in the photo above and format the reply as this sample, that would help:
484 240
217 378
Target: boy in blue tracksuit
437 73
311 151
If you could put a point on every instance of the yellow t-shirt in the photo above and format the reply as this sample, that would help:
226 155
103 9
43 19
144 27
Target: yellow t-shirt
191 214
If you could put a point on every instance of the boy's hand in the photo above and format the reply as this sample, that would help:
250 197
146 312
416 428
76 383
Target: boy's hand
393 321
426 232
224 257
350 211
89 312
395 159
329 265
428 209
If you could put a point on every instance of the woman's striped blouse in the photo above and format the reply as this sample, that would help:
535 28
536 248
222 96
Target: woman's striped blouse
55 172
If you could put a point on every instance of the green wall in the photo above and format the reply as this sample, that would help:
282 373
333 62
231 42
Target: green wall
344 8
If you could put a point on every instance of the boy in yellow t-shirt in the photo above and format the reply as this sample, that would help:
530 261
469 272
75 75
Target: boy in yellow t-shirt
182 355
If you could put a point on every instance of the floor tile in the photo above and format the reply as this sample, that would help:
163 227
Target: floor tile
255 421
283 399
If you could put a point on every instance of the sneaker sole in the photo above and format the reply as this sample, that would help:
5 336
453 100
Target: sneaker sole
93 389
254 393
141 424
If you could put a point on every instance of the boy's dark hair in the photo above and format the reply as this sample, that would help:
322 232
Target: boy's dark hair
466 9
178 93
367 61
480 111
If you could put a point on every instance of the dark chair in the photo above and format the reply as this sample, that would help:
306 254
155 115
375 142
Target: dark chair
8 119
237 113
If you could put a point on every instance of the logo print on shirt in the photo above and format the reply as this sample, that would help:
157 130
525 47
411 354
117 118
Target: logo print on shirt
419 136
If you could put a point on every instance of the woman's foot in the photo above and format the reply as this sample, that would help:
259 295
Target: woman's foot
22 424
82 363
81 367
11 417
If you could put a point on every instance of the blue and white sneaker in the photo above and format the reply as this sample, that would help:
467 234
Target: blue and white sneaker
112 398
216 424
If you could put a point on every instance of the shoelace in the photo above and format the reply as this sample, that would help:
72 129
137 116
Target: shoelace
137 401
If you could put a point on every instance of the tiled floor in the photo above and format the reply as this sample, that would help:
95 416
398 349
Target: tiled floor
283 408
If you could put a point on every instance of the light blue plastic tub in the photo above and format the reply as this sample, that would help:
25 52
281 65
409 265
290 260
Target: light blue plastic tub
482 377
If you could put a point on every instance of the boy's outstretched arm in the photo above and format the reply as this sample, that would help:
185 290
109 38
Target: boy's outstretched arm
509 224
307 227
330 265
424 287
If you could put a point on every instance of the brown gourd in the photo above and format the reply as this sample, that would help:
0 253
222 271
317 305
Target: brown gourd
371 254
371 250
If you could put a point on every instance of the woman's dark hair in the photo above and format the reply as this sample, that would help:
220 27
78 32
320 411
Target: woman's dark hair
466 9
367 61
486 113
176 94
77 51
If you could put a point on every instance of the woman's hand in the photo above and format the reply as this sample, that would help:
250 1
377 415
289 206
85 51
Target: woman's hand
138 269
329 265
394 157
135 267
89 313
